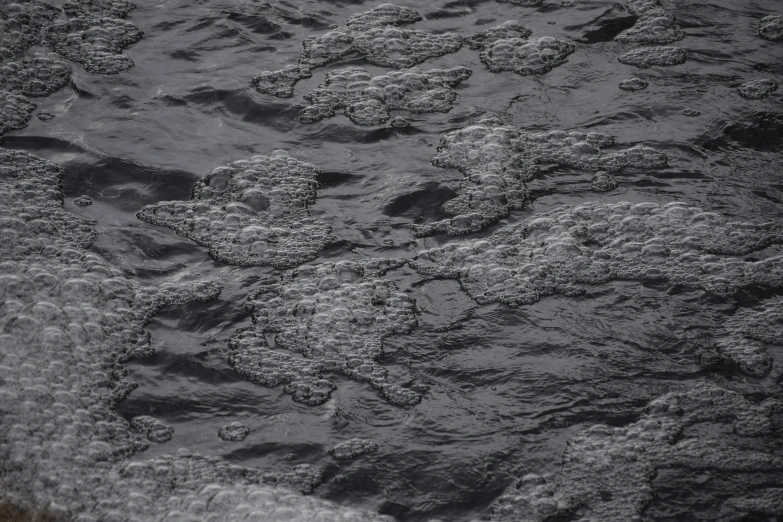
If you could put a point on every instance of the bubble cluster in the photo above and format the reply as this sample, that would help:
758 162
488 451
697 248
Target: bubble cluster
757 89
353 448
607 472
110 8
645 57
654 25
15 111
749 334
152 428
374 35
29 23
250 212
496 161
234 432
561 251
68 322
91 32
505 31
39 75
771 27
21 24
83 201
368 100
334 317
506 48
633 84
96 42
603 182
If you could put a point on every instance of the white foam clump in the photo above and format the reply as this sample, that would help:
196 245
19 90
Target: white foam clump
250 213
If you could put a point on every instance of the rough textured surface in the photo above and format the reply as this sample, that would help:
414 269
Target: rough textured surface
353 448
496 161
334 317
749 333
757 89
654 25
645 57
606 473
68 321
771 27
373 35
506 48
250 212
633 84
368 100
563 250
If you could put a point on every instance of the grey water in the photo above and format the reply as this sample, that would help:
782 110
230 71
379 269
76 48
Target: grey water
507 386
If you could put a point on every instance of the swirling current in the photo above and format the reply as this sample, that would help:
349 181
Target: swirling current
325 260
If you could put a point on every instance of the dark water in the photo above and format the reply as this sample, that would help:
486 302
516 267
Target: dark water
508 387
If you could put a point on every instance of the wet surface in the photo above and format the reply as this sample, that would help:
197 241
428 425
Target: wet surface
503 389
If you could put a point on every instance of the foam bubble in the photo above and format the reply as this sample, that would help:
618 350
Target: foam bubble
507 48
771 27
334 317
603 182
607 472
757 89
15 111
563 250
374 35
234 432
152 428
38 75
353 448
250 213
368 100
654 25
749 334
645 57
69 321
633 84
496 161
